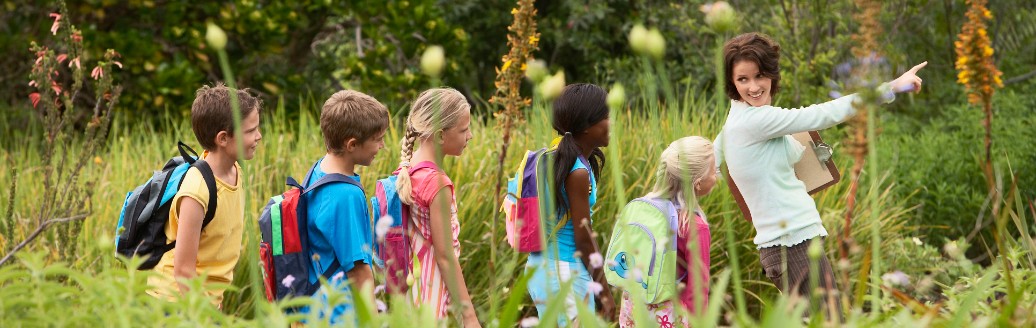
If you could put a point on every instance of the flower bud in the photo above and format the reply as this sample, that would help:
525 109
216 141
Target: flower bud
432 61
720 16
215 36
552 86
536 70
617 96
638 39
655 43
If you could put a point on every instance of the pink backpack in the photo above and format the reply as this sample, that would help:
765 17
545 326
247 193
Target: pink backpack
394 251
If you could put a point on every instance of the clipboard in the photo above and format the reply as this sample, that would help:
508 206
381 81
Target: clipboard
816 169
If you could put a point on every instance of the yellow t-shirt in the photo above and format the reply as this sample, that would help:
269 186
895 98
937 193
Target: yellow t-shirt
219 245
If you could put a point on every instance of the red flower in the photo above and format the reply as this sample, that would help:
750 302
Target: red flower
57 20
35 97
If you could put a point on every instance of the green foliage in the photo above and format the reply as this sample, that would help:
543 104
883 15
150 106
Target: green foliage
940 160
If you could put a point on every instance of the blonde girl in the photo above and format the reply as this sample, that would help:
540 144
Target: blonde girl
687 171
438 126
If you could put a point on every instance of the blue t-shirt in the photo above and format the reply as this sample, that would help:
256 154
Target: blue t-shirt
566 239
339 228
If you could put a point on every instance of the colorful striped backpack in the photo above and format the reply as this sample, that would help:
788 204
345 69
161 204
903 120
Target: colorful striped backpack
284 249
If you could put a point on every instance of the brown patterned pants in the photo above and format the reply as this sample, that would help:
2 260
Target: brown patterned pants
788 268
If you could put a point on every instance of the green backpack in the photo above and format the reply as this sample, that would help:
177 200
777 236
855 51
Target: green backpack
642 255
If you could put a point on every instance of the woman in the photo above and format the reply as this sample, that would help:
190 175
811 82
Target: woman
760 154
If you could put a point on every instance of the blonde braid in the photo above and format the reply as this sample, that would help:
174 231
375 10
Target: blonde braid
406 152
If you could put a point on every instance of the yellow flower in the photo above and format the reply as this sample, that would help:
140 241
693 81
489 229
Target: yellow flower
982 32
998 81
514 11
533 39
97 160
506 65
523 67
961 61
987 13
987 51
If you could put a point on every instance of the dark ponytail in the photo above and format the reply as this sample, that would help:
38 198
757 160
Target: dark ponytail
579 107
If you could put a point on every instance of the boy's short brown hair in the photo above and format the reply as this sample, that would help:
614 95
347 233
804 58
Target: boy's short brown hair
212 113
351 114
757 48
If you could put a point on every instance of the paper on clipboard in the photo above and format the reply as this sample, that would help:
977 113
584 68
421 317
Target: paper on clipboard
815 174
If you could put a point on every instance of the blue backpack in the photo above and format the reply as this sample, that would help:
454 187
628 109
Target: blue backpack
145 212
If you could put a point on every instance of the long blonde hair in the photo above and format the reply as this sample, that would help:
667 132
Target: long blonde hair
434 110
683 163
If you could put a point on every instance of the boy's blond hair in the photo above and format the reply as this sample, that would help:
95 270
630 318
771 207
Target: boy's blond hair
351 114
211 112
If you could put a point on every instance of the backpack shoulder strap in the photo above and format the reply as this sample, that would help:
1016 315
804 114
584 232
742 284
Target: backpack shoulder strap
332 178
210 184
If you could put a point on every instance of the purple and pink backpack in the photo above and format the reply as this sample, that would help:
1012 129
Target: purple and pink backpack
394 251
522 208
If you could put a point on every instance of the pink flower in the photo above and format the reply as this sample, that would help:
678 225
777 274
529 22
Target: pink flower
77 37
55 86
287 281
61 58
32 83
596 260
57 20
594 287
35 97
117 64
379 289
75 62
338 276
97 73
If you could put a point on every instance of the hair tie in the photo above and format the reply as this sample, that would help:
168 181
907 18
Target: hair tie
568 134
405 164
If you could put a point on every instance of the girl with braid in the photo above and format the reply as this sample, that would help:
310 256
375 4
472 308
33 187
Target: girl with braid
438 126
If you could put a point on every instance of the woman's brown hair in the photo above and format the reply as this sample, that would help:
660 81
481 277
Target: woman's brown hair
757 48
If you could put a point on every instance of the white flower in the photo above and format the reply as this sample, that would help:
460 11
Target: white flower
596 260
594 287
379 289
917 241
611 263
287 281
952 250
338 276
530 322
433 60
381 306
215 36
382 227
896 279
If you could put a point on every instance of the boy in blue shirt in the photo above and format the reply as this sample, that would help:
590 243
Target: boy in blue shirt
353 125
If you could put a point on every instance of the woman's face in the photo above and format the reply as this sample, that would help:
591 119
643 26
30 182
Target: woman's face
751 84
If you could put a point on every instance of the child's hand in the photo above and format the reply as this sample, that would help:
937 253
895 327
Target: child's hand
909 81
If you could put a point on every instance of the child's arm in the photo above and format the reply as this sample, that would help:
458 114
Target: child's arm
188 234
360 276
445 258
576 186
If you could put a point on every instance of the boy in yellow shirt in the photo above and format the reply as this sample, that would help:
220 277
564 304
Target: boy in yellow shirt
214 251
